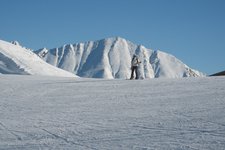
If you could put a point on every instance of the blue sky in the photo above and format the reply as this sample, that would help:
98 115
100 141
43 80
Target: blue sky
191 30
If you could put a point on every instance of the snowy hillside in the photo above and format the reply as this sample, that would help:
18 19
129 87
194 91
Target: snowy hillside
110 58
15 59
96 114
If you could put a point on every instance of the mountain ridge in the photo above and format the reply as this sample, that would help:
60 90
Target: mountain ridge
110 58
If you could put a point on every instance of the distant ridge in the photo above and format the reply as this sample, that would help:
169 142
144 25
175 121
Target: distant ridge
222 73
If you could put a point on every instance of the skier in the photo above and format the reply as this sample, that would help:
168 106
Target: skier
134 66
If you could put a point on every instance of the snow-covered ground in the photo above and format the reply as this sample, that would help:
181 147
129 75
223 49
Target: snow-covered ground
69 113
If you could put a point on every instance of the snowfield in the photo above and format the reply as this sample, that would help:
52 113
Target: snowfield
94 114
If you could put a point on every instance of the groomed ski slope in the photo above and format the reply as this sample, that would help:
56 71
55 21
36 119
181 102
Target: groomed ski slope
95 114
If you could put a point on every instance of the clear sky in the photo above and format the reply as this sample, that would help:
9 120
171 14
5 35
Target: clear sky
191 30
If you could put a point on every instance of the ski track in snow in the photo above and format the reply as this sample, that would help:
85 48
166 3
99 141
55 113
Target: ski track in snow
70 113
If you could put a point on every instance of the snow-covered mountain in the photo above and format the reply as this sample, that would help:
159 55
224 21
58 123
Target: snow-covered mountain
15 59
110 58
